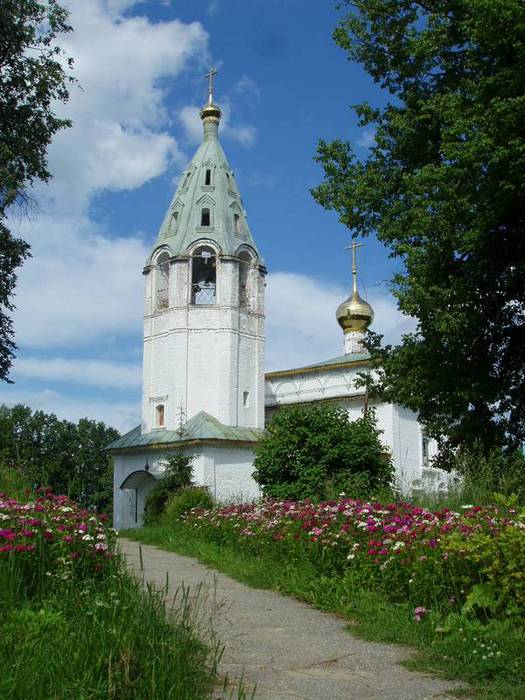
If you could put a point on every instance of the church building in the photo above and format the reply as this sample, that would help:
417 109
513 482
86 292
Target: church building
204 387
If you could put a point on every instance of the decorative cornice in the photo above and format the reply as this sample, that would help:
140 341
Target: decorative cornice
316 368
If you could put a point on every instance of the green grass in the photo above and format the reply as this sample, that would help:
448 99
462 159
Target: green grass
108 639
450 645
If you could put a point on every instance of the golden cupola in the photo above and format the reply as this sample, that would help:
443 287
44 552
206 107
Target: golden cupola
355 314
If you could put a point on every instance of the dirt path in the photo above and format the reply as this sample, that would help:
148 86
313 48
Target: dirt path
287 648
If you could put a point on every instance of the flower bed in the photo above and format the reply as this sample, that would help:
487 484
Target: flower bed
471 559
52 538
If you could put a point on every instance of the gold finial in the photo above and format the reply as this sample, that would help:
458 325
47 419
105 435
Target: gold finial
210 113
210 76
354 314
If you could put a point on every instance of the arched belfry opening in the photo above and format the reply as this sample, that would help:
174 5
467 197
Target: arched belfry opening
162 281
245 281
203 276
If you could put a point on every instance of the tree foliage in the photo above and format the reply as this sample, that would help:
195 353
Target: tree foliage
69 458
444 189
177 475
33 79
317 452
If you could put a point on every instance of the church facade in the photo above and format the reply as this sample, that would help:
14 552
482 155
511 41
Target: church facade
204 387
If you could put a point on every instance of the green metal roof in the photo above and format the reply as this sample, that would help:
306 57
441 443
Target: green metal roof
201 427
340 360
182 224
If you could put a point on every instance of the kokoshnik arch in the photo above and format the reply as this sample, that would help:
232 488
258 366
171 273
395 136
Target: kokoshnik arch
204 387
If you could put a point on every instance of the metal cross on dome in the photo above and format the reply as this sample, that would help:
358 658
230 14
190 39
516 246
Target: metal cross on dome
353 248
211 76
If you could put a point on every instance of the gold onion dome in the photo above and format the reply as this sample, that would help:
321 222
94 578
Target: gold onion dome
211 110
354 314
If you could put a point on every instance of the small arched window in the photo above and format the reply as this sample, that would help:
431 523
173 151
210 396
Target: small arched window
237 223
203 276
245 261
207 177
205 217
187 179
159 415
162 282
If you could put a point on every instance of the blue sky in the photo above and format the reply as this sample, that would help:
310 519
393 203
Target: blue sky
283 84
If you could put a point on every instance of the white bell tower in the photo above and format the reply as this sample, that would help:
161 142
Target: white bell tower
204 300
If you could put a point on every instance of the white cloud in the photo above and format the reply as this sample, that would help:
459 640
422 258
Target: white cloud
119 139
301 327
80 371
213 7
190 119
118 414
366 139
79 286
247 85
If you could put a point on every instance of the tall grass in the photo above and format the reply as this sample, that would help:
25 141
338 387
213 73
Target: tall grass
74 625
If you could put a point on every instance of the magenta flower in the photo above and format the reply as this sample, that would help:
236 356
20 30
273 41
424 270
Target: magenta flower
419 613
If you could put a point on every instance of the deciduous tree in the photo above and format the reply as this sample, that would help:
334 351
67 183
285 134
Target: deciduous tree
443 187
33 79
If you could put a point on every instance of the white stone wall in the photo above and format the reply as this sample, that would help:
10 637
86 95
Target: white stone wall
204 358
226 471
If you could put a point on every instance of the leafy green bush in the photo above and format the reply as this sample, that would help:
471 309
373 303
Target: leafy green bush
177 475
184 500
317 452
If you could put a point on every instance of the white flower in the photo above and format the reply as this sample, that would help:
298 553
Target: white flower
465 507
87 538
351 556
398 545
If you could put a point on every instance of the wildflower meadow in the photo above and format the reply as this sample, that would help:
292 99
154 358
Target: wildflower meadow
74 624
448 580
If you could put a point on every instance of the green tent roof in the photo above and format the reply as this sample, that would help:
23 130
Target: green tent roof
182 224
202 426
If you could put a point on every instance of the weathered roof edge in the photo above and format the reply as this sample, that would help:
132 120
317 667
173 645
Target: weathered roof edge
183 444
322 367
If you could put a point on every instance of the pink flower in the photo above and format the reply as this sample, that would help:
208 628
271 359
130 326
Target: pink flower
419 613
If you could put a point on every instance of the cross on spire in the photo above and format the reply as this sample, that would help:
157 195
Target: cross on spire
211 77
353 248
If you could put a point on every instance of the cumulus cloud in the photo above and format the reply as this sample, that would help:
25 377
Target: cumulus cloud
98 373
301 327
79 286
120 139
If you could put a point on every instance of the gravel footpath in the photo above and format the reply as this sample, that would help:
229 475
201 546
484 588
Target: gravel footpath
285 648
